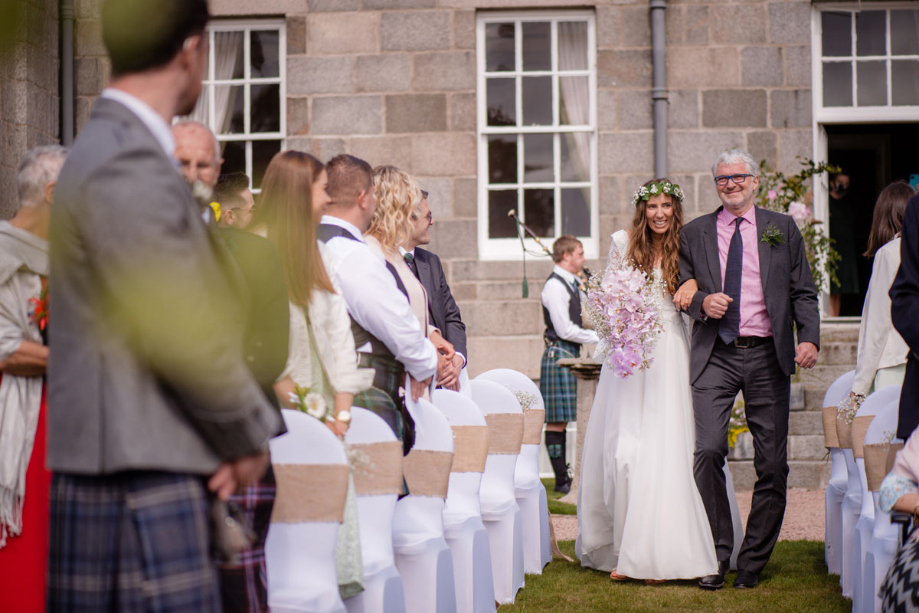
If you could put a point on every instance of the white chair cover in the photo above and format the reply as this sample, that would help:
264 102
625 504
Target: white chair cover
464 384
864 527
463 528
423 557
300 547
531 495
373 441
836 487
882 549
500 512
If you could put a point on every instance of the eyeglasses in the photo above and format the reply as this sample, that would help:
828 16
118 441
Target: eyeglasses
739 179
429 217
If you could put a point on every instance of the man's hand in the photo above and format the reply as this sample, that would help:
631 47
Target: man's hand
806 355
237 474
452 370
716 305
683 296
418 387
443 347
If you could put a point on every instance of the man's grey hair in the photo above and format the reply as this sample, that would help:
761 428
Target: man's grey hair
205 127
734 156
39 167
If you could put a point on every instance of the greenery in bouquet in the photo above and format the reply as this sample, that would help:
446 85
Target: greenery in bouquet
791 195
311 403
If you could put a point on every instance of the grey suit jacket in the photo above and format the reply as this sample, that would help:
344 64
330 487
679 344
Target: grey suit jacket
791 298
145 368
444 312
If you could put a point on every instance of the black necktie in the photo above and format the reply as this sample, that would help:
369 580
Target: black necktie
729 329
410 260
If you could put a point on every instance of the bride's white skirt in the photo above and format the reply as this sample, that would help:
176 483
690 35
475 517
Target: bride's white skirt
638 507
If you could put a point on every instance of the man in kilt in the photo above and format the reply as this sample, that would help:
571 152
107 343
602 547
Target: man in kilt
564 335
152 412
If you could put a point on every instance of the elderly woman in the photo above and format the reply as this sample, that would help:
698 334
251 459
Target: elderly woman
23 318
398 199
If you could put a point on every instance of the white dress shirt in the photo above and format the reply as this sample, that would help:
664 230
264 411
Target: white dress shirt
375 302
555 297
150 118
879 344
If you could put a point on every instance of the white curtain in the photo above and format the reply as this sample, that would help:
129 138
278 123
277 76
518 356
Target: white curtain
227 56
574 93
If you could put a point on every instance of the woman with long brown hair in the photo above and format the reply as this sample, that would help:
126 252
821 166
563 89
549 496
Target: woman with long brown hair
322 355
636 467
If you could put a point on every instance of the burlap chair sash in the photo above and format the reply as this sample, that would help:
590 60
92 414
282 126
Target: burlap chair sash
830 438
892 455
533 420
378 469
505 433
876 464
470 449
309 493
859 429
427 472
844 434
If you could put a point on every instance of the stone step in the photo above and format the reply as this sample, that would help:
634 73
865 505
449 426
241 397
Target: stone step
521 353
806 423
812 475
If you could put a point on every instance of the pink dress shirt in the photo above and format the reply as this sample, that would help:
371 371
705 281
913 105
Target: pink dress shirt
754 320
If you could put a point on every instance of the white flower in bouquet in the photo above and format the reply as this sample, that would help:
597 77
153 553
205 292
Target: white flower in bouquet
311 403
800 212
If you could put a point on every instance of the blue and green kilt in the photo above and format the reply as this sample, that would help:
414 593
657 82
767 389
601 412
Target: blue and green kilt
558 385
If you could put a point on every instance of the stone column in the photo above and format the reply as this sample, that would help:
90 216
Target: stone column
587 372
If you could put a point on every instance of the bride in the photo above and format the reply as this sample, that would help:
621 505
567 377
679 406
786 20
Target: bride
639 512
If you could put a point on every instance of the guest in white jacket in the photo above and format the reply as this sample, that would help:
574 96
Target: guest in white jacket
881 359
322 356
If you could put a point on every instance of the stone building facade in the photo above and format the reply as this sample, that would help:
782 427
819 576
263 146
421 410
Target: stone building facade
405 82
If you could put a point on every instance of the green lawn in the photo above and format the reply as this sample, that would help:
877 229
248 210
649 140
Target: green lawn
555 507
795 581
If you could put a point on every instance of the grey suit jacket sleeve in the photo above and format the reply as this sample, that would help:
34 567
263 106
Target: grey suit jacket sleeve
803 293
687 272
160 283
455 329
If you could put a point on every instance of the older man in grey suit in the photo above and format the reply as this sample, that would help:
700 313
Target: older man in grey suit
151 404
755 287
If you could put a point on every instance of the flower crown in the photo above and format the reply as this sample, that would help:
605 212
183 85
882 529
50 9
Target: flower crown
660 187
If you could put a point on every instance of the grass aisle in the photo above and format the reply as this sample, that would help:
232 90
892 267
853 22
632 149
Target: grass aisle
795 582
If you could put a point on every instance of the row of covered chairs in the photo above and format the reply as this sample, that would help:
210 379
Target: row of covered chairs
860 540
474 522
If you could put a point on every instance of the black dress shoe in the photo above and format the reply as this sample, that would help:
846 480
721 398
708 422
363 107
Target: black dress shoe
563 488
745 580
716 581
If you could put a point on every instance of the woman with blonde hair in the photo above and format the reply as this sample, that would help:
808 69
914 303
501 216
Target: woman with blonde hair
398 198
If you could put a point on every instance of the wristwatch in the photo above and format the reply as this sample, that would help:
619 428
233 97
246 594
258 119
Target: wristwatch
343 417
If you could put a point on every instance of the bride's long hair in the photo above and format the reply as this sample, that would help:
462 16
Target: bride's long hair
641 241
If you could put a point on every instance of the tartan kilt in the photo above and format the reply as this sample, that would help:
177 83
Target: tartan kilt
558 385
131 541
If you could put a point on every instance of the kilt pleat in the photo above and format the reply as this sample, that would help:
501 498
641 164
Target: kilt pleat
558 385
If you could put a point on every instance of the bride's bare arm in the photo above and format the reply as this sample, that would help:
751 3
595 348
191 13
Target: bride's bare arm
683 296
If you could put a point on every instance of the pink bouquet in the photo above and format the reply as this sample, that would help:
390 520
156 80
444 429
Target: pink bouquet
623 309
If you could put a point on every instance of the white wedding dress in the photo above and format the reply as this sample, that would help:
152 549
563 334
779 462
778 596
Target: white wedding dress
639 511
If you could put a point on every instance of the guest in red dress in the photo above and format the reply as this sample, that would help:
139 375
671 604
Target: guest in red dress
24 482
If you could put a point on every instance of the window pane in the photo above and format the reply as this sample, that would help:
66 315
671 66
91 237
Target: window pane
872 83
537 158
572 45
499 224
575 156
904 33
837 33
539 211
266 108
537 101
234 157
501 95
228 55
904 75
264 48
574 101
229 109
837 84
536 46
502 158
262 152
499 47
871 32
576 212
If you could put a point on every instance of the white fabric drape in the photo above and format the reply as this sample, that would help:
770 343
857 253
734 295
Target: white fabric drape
227 47
575 94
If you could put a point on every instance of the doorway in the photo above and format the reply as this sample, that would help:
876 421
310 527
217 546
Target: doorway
872 155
